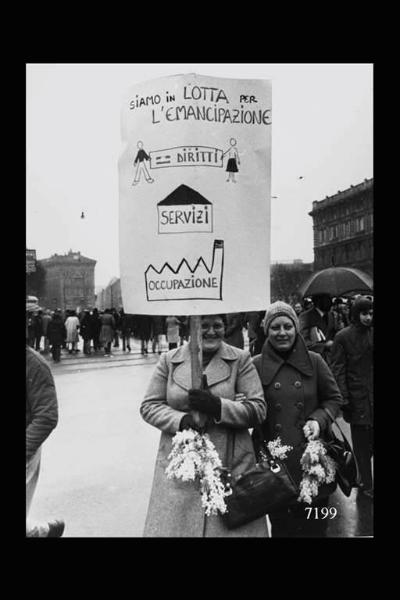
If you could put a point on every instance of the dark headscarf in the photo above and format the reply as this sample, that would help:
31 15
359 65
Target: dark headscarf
361 304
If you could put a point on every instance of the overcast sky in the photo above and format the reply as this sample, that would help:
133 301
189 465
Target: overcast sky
321 131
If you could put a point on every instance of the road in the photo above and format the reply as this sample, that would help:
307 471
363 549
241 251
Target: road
97 465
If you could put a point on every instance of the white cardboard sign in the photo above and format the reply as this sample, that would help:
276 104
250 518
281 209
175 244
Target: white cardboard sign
194 179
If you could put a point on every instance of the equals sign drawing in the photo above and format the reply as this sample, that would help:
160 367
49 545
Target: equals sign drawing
163 160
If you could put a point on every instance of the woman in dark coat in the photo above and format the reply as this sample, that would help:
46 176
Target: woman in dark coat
57 334
352 365
96 326
143 330
171 405
107 331
298 387
126 329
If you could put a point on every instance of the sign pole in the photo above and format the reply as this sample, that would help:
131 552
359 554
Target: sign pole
196 361
196 355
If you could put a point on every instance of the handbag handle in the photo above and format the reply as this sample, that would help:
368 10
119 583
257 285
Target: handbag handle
345 440
230 446
333 420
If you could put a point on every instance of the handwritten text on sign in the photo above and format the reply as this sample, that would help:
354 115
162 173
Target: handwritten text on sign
194 195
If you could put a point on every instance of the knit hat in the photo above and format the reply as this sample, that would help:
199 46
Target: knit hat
280 309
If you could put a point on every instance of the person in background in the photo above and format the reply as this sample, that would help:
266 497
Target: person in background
41 418
255 331
117 320
38 328
183 329
171 405
107 331
307 304
31 329
64 316
339 317
126 330
72 326
298 309
46 318
86 331
158 330
142 325
345 310
317 327
234 330
352 365
56 334
299 389
172 324
96 327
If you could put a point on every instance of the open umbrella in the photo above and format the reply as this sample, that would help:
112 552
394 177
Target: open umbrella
336 281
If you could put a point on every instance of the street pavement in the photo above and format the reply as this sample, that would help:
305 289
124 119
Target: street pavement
97 465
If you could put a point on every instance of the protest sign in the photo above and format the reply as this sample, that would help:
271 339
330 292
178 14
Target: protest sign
194 179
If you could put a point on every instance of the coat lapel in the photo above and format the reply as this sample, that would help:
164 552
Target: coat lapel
217 370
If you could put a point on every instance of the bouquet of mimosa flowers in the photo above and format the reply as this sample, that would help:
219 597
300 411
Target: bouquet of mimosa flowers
318 468
194 457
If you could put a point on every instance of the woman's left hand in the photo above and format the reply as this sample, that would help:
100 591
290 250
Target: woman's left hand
311 430
204 401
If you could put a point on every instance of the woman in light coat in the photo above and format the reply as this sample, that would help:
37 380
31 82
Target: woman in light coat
72 328
175 507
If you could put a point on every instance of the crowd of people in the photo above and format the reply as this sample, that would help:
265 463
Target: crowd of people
307 362
51 331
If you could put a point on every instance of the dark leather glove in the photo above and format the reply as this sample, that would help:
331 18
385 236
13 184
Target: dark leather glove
188 422
204 401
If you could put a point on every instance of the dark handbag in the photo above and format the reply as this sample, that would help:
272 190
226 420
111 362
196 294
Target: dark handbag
260 490
347 470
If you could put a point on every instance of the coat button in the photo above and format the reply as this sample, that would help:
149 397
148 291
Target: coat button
278 406
297 384
300 405
277 385
278 427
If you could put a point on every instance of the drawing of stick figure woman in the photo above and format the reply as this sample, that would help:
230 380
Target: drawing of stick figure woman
141 167
233 160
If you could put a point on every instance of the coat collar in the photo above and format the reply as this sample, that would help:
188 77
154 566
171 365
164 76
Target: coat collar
271 362
218 369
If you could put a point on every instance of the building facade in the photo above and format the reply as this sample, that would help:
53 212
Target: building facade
343 228
286 278
69 281
110 296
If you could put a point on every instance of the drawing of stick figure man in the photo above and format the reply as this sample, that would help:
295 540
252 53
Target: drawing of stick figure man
233 160
141 167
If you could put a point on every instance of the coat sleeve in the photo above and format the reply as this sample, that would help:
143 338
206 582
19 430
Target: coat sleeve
329 395
43 407
154 408
338 366
253 410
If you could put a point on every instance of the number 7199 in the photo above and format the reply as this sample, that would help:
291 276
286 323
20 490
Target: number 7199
325 512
